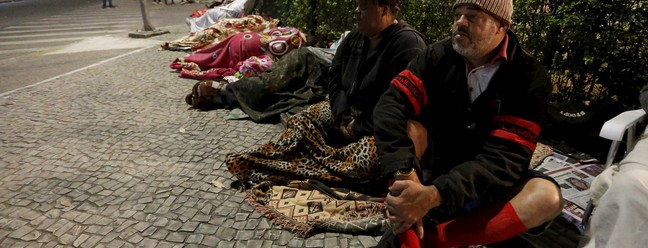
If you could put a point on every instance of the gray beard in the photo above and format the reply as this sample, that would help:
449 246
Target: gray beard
466 52
476 48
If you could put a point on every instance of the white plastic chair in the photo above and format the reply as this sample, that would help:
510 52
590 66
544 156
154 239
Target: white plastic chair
616 128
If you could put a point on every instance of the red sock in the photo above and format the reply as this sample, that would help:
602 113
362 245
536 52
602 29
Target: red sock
488 224
408 239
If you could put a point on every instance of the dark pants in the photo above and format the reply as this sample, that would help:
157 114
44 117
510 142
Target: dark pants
229 98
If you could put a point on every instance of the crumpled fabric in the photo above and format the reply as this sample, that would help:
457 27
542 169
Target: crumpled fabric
254 65
220 31
206 63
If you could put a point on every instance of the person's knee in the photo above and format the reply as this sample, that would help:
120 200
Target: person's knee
547 195
540 201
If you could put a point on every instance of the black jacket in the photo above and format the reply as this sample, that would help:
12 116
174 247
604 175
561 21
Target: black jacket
475 150
358 81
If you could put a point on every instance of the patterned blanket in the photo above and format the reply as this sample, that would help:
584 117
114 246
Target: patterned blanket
303 152
305 207
306 151
219 31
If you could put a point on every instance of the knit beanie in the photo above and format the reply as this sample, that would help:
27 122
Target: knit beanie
502 9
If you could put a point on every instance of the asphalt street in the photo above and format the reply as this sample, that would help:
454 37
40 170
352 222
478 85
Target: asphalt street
109 155
33 31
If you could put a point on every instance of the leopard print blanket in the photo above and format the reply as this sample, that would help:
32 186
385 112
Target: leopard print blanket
303 152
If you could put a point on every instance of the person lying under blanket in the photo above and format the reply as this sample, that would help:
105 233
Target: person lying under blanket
233 9
219 31
220 59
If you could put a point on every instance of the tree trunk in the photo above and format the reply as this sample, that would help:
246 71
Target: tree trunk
147 23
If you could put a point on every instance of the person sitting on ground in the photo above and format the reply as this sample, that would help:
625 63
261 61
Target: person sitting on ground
332 141
234 9
479 99
621 197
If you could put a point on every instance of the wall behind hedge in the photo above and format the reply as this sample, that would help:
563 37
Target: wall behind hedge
595 50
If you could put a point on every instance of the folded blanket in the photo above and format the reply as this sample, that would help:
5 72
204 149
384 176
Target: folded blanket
304 207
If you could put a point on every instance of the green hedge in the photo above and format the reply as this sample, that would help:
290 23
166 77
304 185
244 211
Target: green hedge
595 50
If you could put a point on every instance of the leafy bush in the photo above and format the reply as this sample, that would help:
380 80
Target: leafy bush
595 50
326 20
432 18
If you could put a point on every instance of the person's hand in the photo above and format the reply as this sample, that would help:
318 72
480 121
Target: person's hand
419 224
408 202
347 130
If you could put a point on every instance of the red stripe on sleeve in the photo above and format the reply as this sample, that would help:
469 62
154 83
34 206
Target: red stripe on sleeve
417 108
517 130
534 128
514 138
412 87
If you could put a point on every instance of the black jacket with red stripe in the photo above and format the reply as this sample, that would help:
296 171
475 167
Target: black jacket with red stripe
475 150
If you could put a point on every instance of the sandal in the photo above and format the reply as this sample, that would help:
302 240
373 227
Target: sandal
206 95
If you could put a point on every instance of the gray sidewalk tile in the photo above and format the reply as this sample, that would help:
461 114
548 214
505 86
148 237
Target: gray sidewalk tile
97 158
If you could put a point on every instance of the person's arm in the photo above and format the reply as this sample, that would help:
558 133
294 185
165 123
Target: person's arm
337 97
408 200
394 146
403 100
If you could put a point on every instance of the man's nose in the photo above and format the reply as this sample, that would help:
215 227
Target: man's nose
461 20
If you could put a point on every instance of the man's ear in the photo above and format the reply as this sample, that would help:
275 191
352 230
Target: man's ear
503 28
385 10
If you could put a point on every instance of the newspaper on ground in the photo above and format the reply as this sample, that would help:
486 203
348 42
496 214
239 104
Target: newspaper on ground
574 173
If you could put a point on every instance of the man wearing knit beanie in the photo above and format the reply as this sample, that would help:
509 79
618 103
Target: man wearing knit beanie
500 9
478 99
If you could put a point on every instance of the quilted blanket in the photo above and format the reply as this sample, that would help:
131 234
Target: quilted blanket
306 207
